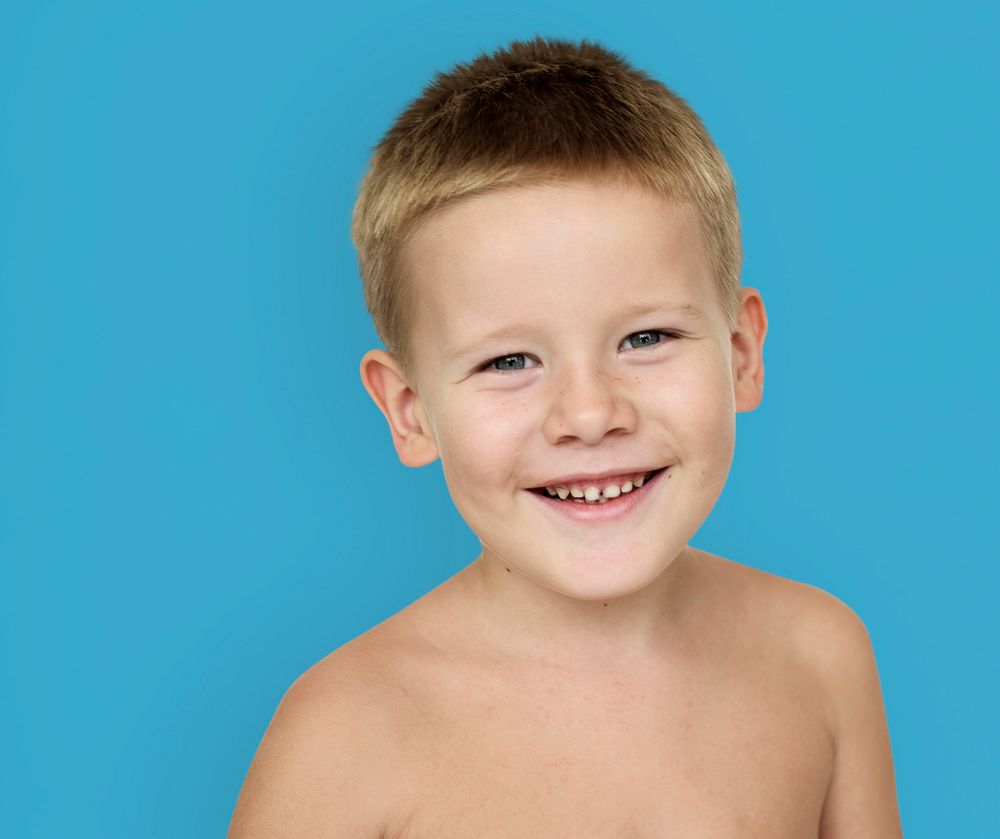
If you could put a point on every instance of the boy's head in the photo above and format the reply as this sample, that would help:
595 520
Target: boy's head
537 111
572 352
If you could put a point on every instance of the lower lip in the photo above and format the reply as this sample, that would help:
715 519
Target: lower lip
611 510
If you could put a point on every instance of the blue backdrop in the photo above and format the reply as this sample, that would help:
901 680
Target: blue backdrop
197 499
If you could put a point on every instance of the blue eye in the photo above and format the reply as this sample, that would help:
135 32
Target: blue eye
507 363
646 338
514 362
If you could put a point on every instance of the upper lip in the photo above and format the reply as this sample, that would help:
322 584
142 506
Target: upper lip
593 478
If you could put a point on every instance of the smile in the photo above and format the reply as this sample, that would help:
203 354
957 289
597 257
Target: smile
597 492
599 500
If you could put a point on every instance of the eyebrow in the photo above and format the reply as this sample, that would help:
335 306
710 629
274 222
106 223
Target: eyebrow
512 333
686 309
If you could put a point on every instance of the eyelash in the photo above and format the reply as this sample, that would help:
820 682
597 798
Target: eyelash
487 366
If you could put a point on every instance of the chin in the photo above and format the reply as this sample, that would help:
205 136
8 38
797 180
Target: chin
598 577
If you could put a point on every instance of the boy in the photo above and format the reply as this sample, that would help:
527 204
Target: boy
550 248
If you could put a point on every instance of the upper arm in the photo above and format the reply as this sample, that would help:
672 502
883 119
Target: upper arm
315 773
861 798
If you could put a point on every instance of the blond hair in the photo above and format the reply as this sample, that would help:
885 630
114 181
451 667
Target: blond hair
535 111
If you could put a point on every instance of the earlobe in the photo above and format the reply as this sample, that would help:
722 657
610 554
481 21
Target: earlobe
748 351
386 382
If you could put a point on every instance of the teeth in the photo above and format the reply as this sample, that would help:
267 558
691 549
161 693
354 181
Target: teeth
593 494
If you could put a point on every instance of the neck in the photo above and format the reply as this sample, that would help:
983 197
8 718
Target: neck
523 619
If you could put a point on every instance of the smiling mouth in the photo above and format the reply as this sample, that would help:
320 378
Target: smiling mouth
597 492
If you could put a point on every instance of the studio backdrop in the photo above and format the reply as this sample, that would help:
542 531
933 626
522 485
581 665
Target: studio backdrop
197 498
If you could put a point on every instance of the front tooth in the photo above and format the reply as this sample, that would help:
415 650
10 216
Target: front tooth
576 492
591 493
627 486
612 491
562 492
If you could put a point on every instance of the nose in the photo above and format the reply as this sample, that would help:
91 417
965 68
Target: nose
588 404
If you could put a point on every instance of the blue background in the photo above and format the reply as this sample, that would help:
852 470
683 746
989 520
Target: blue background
198 500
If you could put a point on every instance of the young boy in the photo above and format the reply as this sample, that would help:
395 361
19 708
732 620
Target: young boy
550 248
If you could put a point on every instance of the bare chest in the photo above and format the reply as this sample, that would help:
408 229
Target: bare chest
746 756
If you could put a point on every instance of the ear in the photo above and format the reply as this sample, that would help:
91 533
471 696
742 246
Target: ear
386 383
748 351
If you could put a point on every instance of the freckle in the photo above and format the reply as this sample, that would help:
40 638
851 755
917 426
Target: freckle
508 570
605 604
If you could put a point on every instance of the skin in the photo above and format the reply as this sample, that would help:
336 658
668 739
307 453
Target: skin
561 269
580 679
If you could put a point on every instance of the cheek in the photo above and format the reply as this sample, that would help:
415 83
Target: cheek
480 442
698 408
713 420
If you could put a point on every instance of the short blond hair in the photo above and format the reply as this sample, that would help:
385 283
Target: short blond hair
535 111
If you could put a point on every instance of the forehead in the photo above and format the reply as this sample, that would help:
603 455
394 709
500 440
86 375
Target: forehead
551 256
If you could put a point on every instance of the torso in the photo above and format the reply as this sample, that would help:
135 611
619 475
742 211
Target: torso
730 740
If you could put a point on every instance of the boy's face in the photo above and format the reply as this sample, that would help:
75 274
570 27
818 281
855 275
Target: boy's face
565 334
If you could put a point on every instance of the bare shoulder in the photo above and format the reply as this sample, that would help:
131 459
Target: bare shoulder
831 645
818 630
824 634
812 621
321 766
